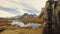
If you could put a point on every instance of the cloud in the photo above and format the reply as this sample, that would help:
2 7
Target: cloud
22 6
10 10
4 14
31 10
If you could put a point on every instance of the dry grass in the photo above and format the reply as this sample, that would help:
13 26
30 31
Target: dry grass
18 30
33 20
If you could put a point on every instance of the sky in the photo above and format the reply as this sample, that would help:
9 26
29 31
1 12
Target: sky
10 8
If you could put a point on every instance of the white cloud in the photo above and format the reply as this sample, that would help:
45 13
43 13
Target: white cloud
20 4
34 3
4 14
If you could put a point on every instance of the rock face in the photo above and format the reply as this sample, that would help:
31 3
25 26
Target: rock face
55 18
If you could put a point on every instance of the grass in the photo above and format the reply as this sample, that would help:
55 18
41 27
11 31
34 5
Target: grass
18 30
33 20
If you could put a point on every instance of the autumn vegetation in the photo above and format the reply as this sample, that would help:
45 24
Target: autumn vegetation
18 30
33 20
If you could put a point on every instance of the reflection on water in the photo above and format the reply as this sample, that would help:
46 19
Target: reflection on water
21 24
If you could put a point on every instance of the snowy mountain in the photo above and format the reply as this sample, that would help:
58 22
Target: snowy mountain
25 15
